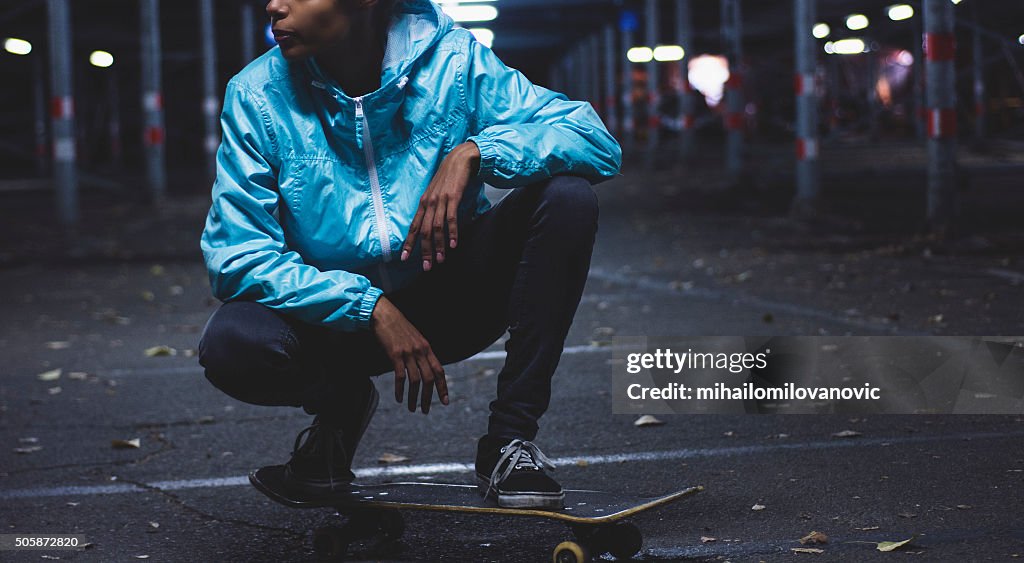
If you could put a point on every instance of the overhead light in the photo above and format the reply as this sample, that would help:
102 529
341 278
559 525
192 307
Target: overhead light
845 47
856 22
1021 39
640 55
664 53
957 1
821 30
483 35
470 13
17 46
101 59
900 12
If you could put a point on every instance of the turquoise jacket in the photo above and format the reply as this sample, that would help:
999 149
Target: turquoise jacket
315 190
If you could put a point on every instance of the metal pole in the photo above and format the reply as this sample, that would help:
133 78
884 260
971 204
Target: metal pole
39 107
153 100
979 78
919 78
807 169
248 33
610 105
595 72
687 99
210 102
732 34
651 37
62 113
628 119
113 98
940 57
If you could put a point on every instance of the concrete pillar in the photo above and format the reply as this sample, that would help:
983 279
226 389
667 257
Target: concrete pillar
807 167
62 114
248 33
211 102
980 111
940 57
610 105
153 100
651 39
687 97
628 118
735 120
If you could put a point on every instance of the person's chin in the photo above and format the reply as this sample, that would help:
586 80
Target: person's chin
293 52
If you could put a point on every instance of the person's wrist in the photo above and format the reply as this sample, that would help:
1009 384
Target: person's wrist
471 153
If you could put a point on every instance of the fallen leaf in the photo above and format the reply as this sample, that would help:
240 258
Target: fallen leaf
758 507
27 449
964 506
72 504
52 375
891 545
147 295
58 345
728 433
126 444
160 351
806 550
647 420
847 434
79 375
814 537
706 539
54 390
156 270
189 353
387 457
582 462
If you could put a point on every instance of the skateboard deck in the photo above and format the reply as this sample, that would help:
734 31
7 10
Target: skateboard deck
595 517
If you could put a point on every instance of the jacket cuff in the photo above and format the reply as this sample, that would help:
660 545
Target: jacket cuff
488 155
366 305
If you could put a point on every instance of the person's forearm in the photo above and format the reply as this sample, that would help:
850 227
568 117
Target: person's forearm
471 153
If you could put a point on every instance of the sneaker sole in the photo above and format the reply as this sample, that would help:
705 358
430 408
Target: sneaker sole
525 499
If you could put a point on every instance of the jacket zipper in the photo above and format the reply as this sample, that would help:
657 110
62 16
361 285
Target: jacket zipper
378 200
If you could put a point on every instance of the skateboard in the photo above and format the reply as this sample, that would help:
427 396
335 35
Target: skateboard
595 518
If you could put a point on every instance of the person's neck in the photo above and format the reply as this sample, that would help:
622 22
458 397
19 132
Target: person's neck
355 62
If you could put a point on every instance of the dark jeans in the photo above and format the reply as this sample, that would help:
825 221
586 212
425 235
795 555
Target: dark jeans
519 267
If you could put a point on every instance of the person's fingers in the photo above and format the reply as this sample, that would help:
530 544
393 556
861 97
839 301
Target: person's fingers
427 390
414 382
437 229
399 381
440 381
414 230
427 240
453 223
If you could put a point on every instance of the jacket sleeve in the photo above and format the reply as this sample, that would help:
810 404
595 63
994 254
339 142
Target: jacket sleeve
526 133
243 243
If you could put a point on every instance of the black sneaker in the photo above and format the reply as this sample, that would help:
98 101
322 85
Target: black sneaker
322 465
513 471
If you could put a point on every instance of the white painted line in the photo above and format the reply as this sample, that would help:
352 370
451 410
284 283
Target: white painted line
448 468
736 297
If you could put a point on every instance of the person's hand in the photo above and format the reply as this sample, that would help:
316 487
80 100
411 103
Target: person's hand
439 206
411 355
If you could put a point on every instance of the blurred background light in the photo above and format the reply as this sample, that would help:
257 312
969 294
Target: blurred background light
665 53
857 22
847 47
16 46
708 74
470 13
900 12
483 35
640 55
821 30
101 59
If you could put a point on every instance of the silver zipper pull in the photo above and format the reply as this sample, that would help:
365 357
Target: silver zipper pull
359 108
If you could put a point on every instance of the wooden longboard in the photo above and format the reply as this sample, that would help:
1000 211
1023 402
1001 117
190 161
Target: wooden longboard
581 506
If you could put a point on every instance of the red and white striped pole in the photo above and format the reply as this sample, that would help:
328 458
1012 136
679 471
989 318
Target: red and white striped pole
152 100
940 73
62 114
807 169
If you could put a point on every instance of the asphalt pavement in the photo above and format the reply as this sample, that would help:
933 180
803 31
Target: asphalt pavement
120 317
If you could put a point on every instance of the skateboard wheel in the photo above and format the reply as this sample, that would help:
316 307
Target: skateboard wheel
569 552
329 544
625 540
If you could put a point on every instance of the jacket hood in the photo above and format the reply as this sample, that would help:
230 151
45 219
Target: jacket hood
415 27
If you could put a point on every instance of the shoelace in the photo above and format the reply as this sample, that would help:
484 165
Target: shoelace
319 439
520 454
